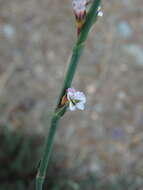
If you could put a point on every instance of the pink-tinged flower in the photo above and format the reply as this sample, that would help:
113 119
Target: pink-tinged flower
80 11
76 99
79 7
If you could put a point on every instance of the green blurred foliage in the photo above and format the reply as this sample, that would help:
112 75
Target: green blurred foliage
18 158
19 155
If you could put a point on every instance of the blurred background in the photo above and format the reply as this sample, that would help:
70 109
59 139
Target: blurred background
100 148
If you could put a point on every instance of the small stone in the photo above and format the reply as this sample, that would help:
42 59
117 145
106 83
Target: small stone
123 68
136 51
121 95
124 29
39 70
117 133
9 31
119 106
51 55
94 116
36 37
91 88
129 129
95 167
98 108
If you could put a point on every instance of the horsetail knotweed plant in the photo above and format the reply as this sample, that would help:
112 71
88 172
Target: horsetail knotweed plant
86 13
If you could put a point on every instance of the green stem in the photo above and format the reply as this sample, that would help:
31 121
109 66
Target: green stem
48 147
59 112
76 54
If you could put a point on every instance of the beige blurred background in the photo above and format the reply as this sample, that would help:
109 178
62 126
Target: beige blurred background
36 37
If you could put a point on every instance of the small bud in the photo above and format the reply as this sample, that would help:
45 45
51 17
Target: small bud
79 7
99 12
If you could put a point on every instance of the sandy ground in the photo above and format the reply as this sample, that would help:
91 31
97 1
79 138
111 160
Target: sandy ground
36 38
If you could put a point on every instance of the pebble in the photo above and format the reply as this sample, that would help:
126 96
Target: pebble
117 133
98 108
51 55
121 95
9 31
124 29
136 51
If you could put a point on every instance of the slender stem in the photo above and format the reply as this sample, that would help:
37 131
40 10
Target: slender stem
45 160
48 147
59 112
76 54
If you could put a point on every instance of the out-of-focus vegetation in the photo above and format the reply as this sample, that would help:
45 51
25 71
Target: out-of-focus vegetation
18 159
19 156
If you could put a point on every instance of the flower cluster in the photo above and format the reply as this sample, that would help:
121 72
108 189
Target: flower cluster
80 10
76 99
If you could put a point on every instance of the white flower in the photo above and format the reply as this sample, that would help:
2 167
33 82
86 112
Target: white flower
76 99
79 6
99 12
